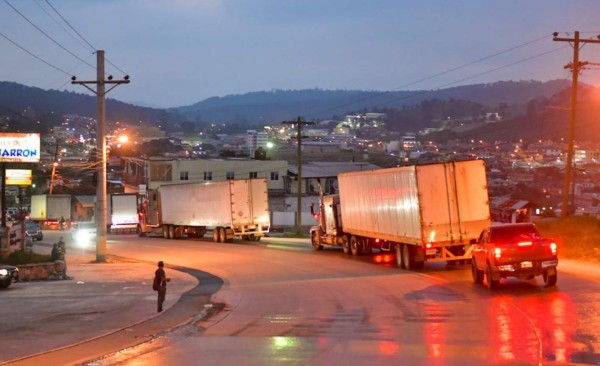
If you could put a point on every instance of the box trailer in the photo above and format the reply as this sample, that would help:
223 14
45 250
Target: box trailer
422 213
123 212
232 208
48 210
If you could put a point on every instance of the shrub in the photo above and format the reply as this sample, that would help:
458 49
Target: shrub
17 258
576 236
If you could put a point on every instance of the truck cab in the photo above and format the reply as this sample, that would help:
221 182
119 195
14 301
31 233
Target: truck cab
329 217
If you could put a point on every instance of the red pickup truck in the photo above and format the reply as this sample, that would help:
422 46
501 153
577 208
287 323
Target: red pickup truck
513 250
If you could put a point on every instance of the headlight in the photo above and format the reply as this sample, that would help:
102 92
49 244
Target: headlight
3 272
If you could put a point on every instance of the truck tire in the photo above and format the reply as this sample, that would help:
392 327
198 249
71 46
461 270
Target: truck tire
217 234
178 232
140 232
476 273
346 244
171 232
245 237
315 239
165 231
408 260
222 236
550 279
355 245
492 284
399 261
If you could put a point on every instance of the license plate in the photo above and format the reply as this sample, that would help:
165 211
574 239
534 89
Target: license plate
431 251
526 264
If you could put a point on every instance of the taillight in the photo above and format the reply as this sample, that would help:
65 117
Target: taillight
553 247
525 243
428 245
498 253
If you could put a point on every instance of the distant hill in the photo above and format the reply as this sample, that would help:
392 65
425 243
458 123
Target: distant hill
278 105
16 98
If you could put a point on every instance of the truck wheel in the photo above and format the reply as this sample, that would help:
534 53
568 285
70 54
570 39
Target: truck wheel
476 273
491 283
245 237
171 232
140 232
407 258
217 234
550 279
346 244
355 246
315 239
178 232
166 231
399 262
222 236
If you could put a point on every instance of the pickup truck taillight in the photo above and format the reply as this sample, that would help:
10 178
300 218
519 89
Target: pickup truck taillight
498 253
553 248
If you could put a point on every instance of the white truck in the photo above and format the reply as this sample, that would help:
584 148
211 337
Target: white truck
123 212
231 208
48 210
422 213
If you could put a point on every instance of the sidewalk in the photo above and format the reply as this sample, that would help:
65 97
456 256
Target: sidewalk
101 298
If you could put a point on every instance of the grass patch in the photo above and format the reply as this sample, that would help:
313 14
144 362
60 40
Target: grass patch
577 237
17 258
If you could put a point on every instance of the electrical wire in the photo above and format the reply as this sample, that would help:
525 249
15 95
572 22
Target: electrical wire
33 55
320 112
48 36
70 26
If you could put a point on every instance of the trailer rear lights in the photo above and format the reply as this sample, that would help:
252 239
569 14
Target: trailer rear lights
553 248
498 253
506 268
428 245
525 243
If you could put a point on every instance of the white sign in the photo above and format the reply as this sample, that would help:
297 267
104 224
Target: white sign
19 147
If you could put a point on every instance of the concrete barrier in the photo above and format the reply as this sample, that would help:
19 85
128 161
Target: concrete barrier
40 271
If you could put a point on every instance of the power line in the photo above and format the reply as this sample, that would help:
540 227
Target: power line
33 55
440 74
78 40
47 35
70 26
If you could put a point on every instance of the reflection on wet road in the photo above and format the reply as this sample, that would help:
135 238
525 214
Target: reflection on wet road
297 307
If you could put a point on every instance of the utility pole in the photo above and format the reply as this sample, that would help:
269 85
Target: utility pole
576 43
299 124
100 92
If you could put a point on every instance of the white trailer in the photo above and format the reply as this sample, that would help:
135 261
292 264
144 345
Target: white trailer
123 212
48 210
232 208
422 213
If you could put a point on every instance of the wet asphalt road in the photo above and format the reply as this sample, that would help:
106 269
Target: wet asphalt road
282 303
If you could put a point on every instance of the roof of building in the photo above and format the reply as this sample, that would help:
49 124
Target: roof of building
509 203
330 169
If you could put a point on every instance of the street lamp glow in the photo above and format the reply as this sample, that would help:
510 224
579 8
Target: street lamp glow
123 139
270 145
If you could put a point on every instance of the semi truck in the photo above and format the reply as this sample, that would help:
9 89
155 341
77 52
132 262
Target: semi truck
48 210
123 212
231 208
422 213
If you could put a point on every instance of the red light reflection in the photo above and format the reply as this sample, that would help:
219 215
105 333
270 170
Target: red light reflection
532 329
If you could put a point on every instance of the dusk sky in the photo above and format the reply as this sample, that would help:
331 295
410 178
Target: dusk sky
179 52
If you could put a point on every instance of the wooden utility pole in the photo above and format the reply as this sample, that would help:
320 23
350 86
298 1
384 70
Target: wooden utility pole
576 43
299 124
100 92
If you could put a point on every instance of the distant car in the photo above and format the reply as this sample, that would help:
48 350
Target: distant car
83 232
33 230
513 250
8 274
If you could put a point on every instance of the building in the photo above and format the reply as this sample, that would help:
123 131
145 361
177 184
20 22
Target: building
155 172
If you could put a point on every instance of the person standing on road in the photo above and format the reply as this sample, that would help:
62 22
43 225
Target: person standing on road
161 279
61 223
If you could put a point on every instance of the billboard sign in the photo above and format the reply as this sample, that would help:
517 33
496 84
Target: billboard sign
18 177
19 147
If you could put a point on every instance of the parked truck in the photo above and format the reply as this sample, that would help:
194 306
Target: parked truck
49 210
232 208
423 213
123 212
